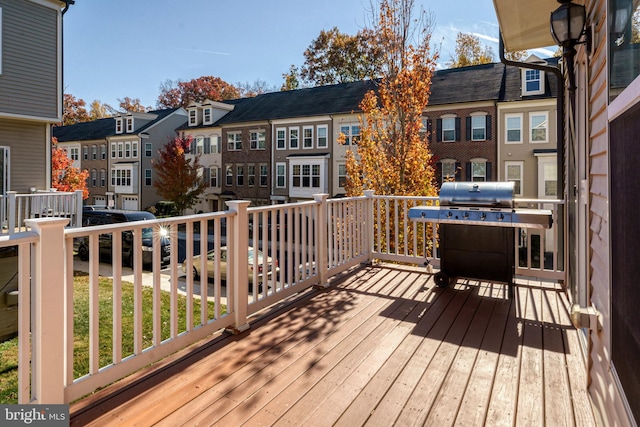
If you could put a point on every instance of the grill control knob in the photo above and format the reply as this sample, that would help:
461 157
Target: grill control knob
449 214
465 215
500 216
483 216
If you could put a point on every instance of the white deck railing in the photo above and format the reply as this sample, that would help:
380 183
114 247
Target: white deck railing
306 244
15 208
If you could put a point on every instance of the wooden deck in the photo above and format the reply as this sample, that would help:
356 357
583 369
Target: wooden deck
381 347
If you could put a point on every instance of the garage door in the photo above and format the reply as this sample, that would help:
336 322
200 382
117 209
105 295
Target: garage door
130 203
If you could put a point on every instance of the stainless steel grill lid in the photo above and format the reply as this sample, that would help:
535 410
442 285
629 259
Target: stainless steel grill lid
487 194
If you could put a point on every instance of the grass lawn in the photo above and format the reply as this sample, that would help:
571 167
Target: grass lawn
9 349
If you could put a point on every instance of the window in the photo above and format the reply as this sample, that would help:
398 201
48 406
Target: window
114 150
478 128
118 124
240 175
85 153
208 118
103 152
257 140
539 124
147 149
295 175
129 124
199 145
532 82
307 137
251 175
293 137
448 170
306 176
514 173
322 137
514 128
120 150
213 177
351 133
94 152
74 154
94 178
478 170
134 149
127 149
550 177
229 175
281 135
147 177
193 117
215 144
449 129
103 177
264 174
234 141
121 177
281 175
342 175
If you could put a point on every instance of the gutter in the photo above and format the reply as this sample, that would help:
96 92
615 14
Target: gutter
560 132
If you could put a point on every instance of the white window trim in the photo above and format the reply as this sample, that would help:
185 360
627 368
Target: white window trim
150 149
340 175
539 113
297 129
326 136
442 119
506 174
303 137
235 142
284 146
526 92
506 128
284 168
484 125
208 110
478 160
257 140
118 125
444 177
193 117
129 123
263 167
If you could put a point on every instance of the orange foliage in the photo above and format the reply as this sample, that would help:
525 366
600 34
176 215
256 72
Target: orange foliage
64 176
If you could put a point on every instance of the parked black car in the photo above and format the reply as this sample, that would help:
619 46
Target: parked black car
96 216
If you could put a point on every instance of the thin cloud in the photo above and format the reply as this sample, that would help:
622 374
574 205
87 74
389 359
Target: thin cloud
211 52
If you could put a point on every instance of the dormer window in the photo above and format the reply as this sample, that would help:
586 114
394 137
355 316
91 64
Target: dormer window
118 124
129 124
193 117
532 82
207 116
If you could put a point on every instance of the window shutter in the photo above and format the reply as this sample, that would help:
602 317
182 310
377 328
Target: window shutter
458 128
219 178
430 129
468 120
207 177
468 171
457 171
439 130
488 130
207 145
488 171
192 146
439 174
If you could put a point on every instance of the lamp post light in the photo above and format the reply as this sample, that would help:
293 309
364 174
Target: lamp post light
567 28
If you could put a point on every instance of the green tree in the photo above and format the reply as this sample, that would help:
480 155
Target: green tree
181 94
469 51
335 57
176 174
291 79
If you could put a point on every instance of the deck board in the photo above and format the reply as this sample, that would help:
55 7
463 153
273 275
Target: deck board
383 346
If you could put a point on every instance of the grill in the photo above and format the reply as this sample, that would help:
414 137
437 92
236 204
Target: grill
466 248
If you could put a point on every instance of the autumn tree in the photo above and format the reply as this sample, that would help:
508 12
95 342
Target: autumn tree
291 79
335 57
517 55
98 110
258 87
132 105
181 94
469 51
64 176
176 173
73 110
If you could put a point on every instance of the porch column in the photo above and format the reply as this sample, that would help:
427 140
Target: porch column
368 194
238 263
48 305
322 262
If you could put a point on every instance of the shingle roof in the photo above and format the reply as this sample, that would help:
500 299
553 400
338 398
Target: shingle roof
467 84
513 88
101 128
331 99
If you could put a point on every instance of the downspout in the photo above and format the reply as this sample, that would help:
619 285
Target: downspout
560 132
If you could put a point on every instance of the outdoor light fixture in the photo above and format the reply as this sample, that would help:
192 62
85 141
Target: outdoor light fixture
567 28
621 16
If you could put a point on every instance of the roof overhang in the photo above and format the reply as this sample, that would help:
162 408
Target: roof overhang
525 24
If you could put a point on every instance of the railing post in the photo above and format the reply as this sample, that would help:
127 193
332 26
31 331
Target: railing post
322 263
78 215
11 215
48 305
238 263
368 194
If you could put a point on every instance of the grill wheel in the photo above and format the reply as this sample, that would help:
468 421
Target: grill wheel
442 279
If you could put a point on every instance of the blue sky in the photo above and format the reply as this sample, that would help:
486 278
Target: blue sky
119 48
